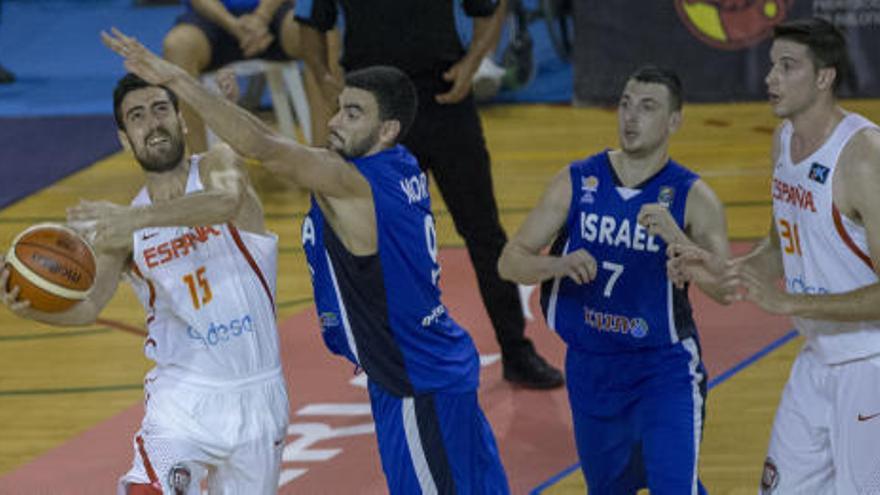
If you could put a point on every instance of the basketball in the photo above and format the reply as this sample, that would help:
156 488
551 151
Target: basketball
52 265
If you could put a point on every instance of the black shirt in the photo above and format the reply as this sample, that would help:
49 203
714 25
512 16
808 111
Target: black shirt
416 36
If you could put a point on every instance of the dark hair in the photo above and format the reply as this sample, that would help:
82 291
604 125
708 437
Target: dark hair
394 92
661 75
825 41
129 83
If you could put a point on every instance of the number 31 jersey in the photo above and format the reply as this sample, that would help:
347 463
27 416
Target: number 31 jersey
631 304
823 251
383 311
209 296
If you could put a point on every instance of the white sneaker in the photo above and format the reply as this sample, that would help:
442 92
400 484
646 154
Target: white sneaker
487 80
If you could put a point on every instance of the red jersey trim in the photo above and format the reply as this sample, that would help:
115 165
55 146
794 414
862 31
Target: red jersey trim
250 259
841 231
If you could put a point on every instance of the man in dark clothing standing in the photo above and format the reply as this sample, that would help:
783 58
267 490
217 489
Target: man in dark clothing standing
420 38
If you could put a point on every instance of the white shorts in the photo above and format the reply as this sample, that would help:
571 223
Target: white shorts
826 435
231 434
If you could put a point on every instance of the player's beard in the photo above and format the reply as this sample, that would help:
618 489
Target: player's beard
161 161
358 149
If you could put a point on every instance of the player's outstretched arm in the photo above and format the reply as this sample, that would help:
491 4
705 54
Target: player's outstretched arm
318 170
522 260
109 267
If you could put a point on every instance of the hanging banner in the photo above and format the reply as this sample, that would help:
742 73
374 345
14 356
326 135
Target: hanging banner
718 47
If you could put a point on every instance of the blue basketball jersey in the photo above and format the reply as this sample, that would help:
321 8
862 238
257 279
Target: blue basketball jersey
383 311
631 304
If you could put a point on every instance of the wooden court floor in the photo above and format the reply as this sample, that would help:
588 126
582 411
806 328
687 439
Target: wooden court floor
49 376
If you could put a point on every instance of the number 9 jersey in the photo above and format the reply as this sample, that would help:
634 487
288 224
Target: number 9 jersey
631 304
383 311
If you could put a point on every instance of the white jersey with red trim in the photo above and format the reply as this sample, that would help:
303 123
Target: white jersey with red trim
209 296
823 251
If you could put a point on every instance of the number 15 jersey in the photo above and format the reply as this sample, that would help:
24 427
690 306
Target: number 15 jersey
209 296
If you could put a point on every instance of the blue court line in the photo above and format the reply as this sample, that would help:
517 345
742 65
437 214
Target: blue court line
712 383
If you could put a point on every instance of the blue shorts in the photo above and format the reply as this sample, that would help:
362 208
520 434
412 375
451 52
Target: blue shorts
436 443
638 418
224 46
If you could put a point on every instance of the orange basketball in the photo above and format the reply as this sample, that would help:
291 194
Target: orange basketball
53 267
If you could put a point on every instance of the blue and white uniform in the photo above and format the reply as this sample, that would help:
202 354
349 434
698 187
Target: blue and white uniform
635 378
383 312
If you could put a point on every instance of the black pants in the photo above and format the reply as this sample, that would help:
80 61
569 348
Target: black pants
448 141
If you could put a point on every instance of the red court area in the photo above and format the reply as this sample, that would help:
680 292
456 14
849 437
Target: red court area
330 443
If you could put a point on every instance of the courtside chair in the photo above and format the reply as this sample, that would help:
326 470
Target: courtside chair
285 86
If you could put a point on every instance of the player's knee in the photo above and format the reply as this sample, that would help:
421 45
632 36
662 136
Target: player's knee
142 489
188 47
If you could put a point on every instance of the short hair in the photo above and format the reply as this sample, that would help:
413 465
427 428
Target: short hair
825 41
395 93
664 76
128 83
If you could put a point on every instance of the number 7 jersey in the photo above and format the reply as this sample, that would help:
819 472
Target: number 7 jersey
631 304
209 296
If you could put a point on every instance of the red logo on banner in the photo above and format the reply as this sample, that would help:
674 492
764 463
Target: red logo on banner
732 24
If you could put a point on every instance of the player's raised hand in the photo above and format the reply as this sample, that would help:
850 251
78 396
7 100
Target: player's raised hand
228 84
139 60
656 218
113 225
10 297
579 266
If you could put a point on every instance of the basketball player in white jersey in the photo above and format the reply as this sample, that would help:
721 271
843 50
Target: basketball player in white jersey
216 404
824 243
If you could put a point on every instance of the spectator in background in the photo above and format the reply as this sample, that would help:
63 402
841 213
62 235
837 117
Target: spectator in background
420 38
213 33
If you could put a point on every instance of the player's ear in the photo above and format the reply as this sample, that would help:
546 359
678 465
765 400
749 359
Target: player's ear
123 139
674 120
182 121
825 78
388 131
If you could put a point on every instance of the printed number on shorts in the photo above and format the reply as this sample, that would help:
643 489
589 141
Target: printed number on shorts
788 231
616 270
199 288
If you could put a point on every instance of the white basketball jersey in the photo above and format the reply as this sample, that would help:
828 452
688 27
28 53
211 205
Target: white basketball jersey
823 251
209 296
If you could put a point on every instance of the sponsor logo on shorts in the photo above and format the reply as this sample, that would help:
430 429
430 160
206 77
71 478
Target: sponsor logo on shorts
328 319
770 477
179 478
